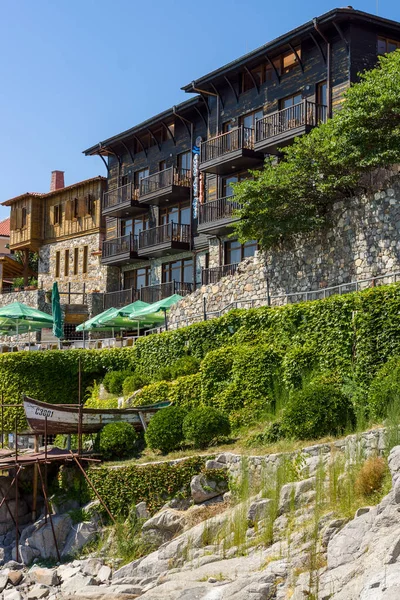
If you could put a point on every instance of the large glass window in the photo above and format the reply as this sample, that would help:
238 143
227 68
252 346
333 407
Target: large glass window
180 271
176 214
251 119
236 252
385 45
227 189
137 278
126 227
185 161
139 175
322 97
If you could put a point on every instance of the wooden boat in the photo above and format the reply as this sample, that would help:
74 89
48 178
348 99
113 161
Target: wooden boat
64 418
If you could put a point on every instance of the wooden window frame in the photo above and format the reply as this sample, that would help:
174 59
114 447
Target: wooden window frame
57 212
85 260
66 263
387 41
76 261
167 268
57 265
242 249
134 278
165 209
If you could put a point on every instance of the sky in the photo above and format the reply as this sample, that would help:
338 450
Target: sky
74 72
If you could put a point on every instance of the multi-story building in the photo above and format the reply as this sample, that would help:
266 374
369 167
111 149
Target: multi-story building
65 227
169 206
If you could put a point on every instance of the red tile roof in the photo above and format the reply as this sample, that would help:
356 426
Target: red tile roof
5 227
59 191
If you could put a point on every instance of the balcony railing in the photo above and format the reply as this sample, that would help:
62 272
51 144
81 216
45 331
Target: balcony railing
169 232
164 179
122 245
122 194
214 274
231 141
218 210
150 293
301 114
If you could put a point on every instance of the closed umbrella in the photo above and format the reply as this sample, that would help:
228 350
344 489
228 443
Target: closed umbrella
57 314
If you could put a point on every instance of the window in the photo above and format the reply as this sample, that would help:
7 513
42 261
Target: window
291 101
185 161
75 208
124 179
270 74
126 226
137 278
57 214
227 181
247 78
249 120
85 259
139 175
140 224
66 263
23 217
176 214
57 274
180 271
236 252
162 165
385 45
76 261
289 60
321 94
89 205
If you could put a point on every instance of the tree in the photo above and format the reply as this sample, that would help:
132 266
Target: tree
326 165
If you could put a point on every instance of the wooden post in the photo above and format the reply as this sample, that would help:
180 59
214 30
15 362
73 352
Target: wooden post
25 262
92 486
16 515
35 480
79 409
2 419
49 511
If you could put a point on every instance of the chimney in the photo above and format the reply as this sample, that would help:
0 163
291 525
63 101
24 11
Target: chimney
57 180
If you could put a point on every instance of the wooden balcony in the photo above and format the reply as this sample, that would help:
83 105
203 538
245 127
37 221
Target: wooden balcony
280 128
121 251
216 217
214 274
149 293
122 202
229 152
169 185
170 238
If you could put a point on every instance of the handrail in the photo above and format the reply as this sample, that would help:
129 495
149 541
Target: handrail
120 195
236 139
222 208
121 245
302 113
215 274
165 178
169 232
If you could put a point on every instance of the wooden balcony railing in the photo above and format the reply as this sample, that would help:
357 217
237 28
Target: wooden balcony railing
170 232
122 194
149 293
164 179
120 298
217 210
304 113
236 139
121 245
214 274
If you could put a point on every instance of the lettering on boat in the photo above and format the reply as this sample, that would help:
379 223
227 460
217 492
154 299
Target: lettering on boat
44 412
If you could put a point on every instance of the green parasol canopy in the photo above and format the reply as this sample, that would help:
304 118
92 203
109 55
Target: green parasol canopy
56 310
20 318
94 323
156 312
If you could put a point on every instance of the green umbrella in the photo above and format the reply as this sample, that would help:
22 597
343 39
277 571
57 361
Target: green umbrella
56 310
24 318
94 323
156 312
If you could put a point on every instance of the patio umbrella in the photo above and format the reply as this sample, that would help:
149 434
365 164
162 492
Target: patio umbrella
24 317
56 310
116 316
157 311
93 323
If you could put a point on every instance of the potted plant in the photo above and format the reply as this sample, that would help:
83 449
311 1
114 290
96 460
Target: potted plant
18 284
33 283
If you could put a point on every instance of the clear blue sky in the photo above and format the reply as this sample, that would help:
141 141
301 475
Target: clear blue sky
74 72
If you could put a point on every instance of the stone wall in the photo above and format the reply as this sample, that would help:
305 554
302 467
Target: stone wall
362 242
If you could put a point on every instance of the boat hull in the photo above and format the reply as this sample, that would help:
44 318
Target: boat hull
65 419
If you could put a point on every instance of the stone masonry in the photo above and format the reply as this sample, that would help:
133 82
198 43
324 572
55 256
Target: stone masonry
362 242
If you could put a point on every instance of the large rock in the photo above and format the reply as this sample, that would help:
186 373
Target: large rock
42 540
259 509
76 583
80 535
203 487
163 526
44 576
292 495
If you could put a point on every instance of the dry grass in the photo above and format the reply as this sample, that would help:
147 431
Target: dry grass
202 513
371 477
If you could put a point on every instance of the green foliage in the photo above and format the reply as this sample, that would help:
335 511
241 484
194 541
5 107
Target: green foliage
154 484
114 381
94 401
164 432
319 409
186 391
326 165
134 382
155 392
384 391
205 425
297 364
116 440
186 365
216 371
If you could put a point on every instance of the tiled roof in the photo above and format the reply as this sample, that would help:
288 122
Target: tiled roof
5 227
59 191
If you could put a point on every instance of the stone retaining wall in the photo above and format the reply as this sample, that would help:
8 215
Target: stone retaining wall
363 242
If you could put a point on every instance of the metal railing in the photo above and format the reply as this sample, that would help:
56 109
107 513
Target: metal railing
148 293
120 195
216 210
121 245
163 179
169 232
236 139
303 113
214 274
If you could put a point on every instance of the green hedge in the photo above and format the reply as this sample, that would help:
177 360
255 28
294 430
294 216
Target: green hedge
353 333
154 484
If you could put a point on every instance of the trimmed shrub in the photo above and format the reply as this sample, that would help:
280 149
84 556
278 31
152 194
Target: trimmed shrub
298 363
320 409
116 440
134 382
155 392
216 372
114 380
186 365
186 391
371 476
204 425
164 432
384 391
